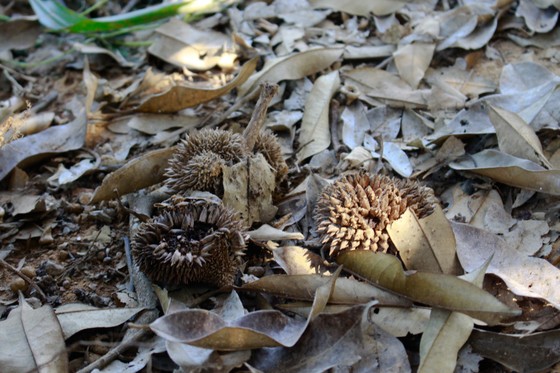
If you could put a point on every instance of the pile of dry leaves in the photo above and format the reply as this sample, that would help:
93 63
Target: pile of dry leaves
387 203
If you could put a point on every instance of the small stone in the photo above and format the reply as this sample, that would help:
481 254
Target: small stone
66 284
62 254
29 271
256 271
101 254
84 198
52 268
18 284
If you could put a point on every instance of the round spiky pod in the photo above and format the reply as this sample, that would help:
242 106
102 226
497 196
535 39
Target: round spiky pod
197 162
190 242
354 212
267 144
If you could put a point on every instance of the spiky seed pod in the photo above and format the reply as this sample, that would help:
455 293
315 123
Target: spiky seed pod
354 212
191 243
197 162
267 144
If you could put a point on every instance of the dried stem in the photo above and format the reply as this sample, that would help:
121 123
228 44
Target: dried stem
268 90
334 117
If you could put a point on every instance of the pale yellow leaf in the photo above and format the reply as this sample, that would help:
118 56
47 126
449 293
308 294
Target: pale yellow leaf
426 244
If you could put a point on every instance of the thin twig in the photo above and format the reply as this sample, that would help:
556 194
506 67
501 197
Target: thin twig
212 121
128 255
334 117
31 283
116 351
268 91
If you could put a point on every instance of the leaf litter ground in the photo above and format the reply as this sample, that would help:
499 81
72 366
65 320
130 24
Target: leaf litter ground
460 97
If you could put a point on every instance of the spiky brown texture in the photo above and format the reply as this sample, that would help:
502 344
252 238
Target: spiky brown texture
267 144
190 243
197 162
354 212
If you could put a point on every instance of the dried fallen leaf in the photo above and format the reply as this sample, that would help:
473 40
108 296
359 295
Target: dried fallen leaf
296 260
257 329
539 17
521 353
315 135
354 124
511 170
57 139
295 66
196 358
462 80
19 34
446 333
437 290
385 87
265 233
248 188
32 340
179 97
141 172
442 339
75 317
397 158
352 342
426 244
346 291
412 61
183 45
524 275
360 8
516 137
400 321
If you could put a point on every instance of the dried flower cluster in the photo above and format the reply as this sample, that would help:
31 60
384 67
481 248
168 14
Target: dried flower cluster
353 212
190 242
198 161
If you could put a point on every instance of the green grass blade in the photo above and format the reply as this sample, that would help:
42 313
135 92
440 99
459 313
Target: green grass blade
58 17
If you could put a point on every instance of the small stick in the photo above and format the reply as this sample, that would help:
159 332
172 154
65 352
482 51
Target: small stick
268 90
116 351
212 121
129 262
334 117
32 283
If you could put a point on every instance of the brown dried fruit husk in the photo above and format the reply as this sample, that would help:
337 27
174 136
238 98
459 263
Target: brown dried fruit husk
354 212
267 144
197 162
190 242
